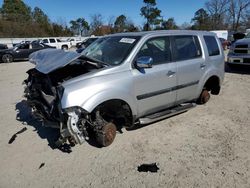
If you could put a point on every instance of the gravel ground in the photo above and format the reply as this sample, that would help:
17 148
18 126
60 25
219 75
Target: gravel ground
208 146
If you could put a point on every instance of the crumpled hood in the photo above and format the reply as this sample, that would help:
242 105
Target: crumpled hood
48 60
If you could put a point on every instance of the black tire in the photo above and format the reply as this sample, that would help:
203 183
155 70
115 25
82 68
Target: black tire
65 47
7 58
106 135
204 97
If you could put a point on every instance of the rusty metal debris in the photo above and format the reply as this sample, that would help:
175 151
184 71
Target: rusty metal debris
12 139
148 168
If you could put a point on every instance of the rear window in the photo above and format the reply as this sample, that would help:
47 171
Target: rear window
187 47
212 45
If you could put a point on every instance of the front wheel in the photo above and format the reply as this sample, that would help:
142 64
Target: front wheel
7 58
204 97
106 135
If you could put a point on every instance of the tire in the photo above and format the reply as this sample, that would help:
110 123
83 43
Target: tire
106 135
204 97
65 47
7 58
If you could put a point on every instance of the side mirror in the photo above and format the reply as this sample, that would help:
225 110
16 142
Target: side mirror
144 62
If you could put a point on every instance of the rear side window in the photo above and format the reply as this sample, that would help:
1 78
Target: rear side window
212 45
52 40
187 47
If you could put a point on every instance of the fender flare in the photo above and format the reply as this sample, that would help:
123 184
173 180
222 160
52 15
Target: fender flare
105 95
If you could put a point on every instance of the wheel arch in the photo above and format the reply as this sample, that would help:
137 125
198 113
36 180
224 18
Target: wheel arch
213 84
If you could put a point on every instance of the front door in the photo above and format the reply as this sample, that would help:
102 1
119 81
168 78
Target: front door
154 86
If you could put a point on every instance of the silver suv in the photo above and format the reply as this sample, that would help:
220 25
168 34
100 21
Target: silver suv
122 80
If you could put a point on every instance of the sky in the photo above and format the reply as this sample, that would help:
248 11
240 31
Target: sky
66 10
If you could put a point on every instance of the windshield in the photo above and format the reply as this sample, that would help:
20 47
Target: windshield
111 50
248 35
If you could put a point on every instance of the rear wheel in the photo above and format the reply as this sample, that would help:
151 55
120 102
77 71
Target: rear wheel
106 135
7 58
65 47
204 97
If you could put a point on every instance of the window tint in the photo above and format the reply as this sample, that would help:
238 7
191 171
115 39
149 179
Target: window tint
58 40
158 49
52 40
212 45
45 41
186 47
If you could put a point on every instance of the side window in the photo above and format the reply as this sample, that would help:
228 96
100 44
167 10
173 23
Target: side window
45 41
158 49
58 40
187 47
52 40
212 45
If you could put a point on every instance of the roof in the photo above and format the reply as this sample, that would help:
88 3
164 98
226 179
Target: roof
170 32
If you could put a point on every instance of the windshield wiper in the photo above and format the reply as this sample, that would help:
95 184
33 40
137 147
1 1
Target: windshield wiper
95 62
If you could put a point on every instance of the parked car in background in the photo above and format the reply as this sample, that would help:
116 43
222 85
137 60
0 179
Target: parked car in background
239 53
65 45
3 46
225 43
82 45
122 80
73 41
21 51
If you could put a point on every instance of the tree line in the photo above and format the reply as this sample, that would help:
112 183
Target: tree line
18 20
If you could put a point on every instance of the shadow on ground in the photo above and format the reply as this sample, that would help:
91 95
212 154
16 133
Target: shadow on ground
24 115
237 69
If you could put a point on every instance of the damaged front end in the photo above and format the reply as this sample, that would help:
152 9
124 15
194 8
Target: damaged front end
44 92
44 98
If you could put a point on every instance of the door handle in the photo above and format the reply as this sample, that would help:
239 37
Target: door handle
170 73
202 66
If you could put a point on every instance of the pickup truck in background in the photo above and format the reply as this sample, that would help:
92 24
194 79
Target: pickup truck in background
73 41
54 42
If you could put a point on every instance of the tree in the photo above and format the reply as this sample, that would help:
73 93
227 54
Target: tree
41 20
201 20
151 13
79 26
237 11
169 24
96 23
16 10
185 26
120 23
217 10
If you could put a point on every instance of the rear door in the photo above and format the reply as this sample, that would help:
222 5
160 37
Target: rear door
190 66
154 86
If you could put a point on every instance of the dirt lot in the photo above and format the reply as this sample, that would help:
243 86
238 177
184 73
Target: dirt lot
208 146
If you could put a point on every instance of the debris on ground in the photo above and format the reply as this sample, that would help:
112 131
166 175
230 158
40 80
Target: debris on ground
41 165
12 139
148 168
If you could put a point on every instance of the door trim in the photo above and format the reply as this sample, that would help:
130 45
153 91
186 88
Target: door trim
159 92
